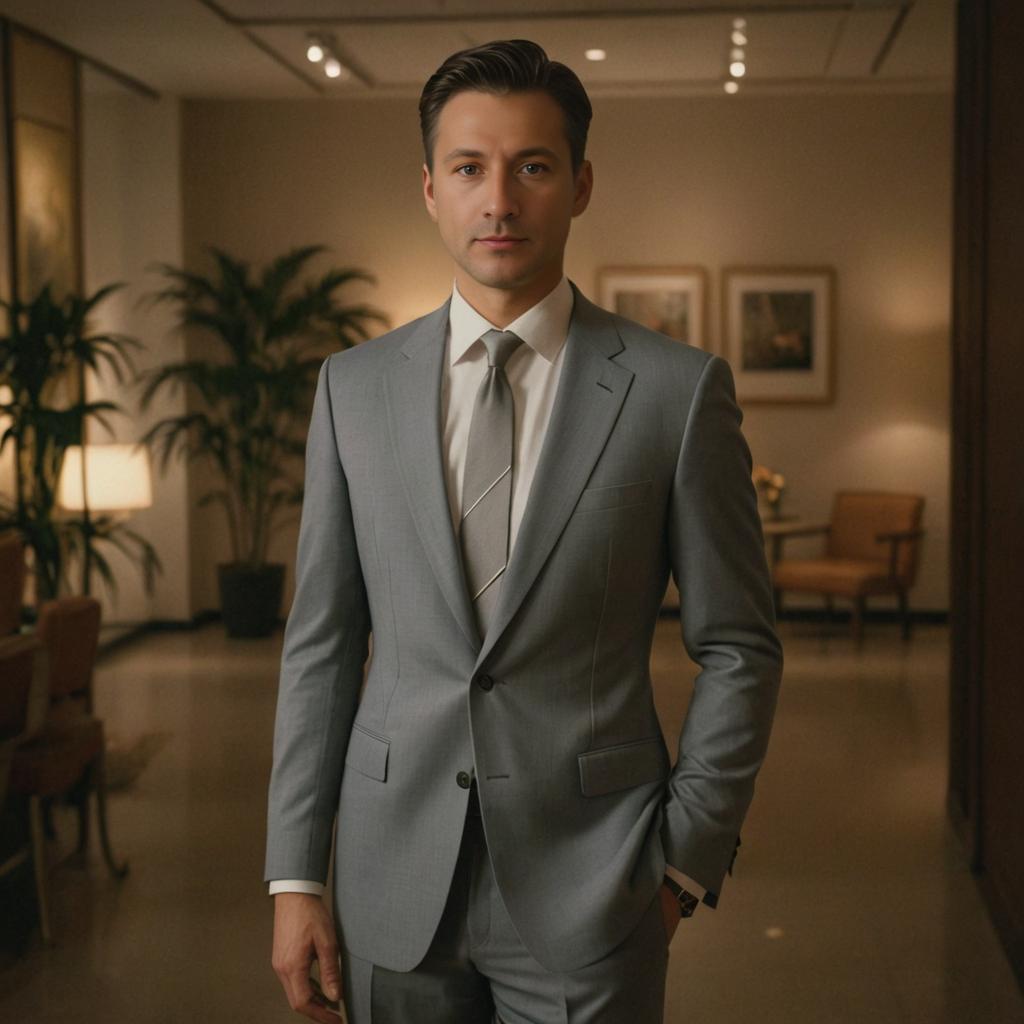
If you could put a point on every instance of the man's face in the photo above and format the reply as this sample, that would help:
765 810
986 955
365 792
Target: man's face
502 169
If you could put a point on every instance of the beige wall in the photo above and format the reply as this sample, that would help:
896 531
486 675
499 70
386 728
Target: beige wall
858 182
131 189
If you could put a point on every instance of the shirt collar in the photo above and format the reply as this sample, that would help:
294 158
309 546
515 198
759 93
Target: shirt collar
544 327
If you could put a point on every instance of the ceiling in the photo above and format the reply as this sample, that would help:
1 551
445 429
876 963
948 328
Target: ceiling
256 48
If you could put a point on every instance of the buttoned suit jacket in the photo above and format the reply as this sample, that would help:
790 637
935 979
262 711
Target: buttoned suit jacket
643 471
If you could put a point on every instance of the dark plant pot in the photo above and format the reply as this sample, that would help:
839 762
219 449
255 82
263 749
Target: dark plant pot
250 597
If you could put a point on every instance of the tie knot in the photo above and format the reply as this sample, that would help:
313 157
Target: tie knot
500 346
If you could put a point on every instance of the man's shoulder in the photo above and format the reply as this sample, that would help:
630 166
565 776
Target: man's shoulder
374 354
651 353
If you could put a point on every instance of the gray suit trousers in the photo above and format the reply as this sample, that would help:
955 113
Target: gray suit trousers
477 969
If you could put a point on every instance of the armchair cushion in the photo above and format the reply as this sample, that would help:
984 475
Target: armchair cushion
850 577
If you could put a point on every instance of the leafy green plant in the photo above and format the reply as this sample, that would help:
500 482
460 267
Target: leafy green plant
249 395
43 358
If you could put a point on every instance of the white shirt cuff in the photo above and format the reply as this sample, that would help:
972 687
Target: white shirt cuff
296 885
685 881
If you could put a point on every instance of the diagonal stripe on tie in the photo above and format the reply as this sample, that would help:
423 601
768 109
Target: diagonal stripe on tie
487 483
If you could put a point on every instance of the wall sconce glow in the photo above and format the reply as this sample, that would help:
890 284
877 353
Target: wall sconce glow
332 68
737 54
595 54
314 53
737 69
738 38
773 932
731 88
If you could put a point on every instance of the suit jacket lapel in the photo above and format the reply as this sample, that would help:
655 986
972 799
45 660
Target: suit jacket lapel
413 396
590 393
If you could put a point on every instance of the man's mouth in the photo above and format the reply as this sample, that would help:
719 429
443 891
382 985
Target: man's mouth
500 241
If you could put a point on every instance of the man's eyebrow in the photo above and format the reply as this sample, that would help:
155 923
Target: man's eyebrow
529 151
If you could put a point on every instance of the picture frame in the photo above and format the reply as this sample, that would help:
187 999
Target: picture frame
779 332
669 299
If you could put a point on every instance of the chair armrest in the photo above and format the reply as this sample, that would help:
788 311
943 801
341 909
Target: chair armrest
898 535
777 538
895 538
39 694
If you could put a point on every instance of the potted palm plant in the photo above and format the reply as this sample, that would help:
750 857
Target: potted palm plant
43 356
248 401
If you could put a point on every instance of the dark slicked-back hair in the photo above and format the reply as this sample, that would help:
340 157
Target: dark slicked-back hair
502 67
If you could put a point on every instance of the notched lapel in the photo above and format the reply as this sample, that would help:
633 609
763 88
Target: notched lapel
590 394
413 395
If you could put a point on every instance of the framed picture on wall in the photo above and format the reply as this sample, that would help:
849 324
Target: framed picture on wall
672 300
778 329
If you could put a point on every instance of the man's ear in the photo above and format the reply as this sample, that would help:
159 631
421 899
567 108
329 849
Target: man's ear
428 193
582 188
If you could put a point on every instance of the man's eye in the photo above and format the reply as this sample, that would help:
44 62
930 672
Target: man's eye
537 167
467 167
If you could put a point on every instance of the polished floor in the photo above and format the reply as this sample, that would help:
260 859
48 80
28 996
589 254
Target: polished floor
850 902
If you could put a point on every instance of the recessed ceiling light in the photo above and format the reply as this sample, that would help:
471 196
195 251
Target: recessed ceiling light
739 22
595 54
332 68
315 53
737 69
739 38
732 88
736 53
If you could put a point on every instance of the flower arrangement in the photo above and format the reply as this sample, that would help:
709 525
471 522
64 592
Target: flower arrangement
769 485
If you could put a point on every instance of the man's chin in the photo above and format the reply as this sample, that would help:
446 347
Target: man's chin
501 276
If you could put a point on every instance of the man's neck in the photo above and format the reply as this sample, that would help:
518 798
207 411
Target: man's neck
501 306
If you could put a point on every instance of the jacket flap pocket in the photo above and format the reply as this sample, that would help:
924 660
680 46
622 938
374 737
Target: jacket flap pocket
615 496
623 766
368 754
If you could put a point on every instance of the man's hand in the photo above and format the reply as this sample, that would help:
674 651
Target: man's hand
669 910
304 932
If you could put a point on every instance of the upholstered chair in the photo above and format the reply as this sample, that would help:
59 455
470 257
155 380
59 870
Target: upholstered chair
66 756
872 546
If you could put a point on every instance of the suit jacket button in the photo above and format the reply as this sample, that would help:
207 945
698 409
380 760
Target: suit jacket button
485 682
463 779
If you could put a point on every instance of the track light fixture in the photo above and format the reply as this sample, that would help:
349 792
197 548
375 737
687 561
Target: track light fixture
737 55
322 49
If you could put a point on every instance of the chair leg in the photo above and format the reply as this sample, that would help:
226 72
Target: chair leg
82 806
99 785
39 862
905 614
857 623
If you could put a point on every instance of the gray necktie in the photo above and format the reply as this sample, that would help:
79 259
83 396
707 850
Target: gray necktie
487 485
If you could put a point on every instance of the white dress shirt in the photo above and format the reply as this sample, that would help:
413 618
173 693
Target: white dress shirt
533 371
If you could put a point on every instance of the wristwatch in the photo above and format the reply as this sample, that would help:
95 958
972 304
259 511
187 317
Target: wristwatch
686 900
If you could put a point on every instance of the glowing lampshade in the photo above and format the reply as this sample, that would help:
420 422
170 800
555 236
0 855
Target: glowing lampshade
117 478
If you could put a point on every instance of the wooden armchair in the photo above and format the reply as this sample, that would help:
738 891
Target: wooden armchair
871 547
66 756
12 581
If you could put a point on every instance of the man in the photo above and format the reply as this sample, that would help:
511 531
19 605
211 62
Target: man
499 491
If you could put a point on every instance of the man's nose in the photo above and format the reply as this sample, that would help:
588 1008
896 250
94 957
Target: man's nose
501 197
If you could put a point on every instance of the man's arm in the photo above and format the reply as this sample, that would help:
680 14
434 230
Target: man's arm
727 621
325 647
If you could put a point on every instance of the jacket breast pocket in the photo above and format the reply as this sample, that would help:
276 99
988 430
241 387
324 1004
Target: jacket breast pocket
623 766
615 496
367 754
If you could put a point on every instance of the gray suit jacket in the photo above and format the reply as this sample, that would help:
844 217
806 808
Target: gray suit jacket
644 471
